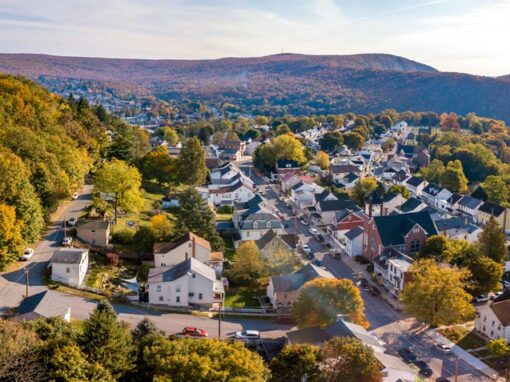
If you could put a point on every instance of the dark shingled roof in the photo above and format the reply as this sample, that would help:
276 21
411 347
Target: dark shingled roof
353 233
492 208
433 189
68 256
469 202
336 205
410 205
343 169
94 224
43 304
400 176
415 181
286 163
294 281
393 228
502 311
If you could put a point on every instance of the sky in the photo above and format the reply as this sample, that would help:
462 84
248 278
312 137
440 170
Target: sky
471 36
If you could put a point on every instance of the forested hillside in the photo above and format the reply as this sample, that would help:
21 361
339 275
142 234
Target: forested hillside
47 146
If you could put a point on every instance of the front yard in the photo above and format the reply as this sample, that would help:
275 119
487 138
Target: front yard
244 296
463 337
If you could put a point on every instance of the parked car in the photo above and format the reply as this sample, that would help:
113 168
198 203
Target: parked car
407 355
328 246
425 370
248 335
442 379
72 222
313 231
496 295
374 291
27 255
306 249
481 298
446 349
318 263
505 283
67 241
75 196
304 222
320 237
363 283
190 331
336 254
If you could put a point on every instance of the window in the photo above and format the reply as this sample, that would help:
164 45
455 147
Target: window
200 296
248 234
255 225
177 299
191 294
193 275
163 264
268 224
158 288
415 246
68 270
178 289
160 298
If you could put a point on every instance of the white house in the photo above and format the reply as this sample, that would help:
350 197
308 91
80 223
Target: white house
255 218
391 269
459 228
416 185
338 172
468 205
436 196
239 192
493 319
189 245
354 241
189 283
69 266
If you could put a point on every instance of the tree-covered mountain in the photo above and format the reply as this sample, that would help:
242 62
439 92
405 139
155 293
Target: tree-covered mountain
285 83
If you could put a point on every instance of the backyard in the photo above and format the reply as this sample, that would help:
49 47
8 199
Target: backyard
244 296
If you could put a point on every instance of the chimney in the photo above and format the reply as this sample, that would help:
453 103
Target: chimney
382 206
370 208
193 247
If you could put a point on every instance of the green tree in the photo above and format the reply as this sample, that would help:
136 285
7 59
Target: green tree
280 261
500 348
321 300
434 171
247 265
11 240
354 140
170 136
195 216
453 178
282 129
191 163
159 165
108 342
121 182
400 189
491 241
346 359
129 143
435 295
496 189
69 364
486 274
295 363
284 146
206 360
331 140
437 247
144 239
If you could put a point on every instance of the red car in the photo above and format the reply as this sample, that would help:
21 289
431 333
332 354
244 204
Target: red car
189 331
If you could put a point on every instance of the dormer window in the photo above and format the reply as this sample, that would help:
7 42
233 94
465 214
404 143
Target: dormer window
255 225
268 224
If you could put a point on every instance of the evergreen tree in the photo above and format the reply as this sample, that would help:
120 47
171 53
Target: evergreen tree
491 241
108 342
196 217
191 163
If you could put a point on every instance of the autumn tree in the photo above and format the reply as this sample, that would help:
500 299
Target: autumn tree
354 140
162 227
284 146
280 261
453 178
11 240
346 359
363 188
207 360
295 363
400 189
108 342
170 136
120 182
247 265
499 348
129 143
450 122
486 274
491 241
331 141
321 300
159 165
496 189
435 295
194 215
322 160
191 163
434 171
282 129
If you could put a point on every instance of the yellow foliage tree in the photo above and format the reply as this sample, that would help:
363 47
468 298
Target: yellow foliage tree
323 160
11 240
161 226
247 263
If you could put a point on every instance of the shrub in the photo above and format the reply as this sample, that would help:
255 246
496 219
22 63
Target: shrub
124 237
226 210
361 260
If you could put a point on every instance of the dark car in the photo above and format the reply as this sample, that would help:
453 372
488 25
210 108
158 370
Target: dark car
374 291
317 262
407 355
442 379
328 246
363 283
320 237
503 363
424 368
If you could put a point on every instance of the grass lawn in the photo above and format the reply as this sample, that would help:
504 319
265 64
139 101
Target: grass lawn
463 337
244 297
223 217
228 250
132 220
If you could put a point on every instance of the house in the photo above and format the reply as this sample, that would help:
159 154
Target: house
94 232
348 181
285 166
287 181
452 203
338 172
411 205
69 266
391 269
377 205
354 241
284 290
404 232
239 192
468 205
272 242
303 194
254 218
436 196
188 283
170 201
488 209
393 369
348 221
44 304
187 246
416 185
232 150
459 228
326 210
492 319
400 177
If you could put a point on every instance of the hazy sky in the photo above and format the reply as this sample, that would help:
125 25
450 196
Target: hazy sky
470 36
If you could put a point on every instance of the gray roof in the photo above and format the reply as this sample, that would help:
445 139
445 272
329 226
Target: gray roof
433 189
94 224
457 222
43 304
469 202
353 233
167 274
491 208
410 205
343 169
69 256
337 205
294 281
415 181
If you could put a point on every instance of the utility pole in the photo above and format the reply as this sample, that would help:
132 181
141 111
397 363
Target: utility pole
456 366
219 317
26 282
